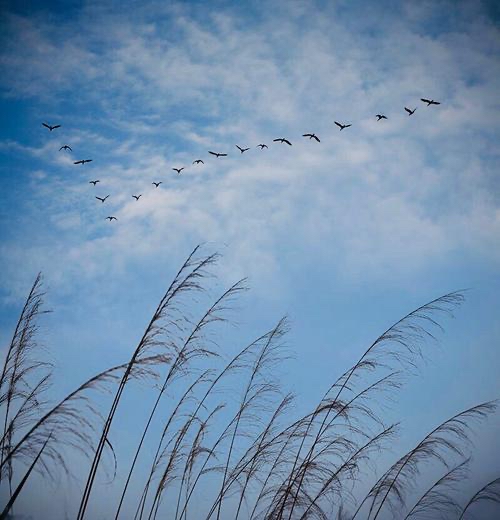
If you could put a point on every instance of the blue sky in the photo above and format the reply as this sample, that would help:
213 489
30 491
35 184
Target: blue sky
345 236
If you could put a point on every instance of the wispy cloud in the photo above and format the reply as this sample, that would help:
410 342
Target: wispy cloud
391 196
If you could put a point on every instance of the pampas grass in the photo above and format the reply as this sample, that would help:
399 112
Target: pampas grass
221 428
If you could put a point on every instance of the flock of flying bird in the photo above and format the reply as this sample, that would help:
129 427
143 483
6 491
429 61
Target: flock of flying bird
242 150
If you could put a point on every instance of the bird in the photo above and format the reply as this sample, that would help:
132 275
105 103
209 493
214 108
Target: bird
94 182
410 112
312 136
218 154
242 150
111 218
65 147
137 197
157 184
380 116
102 199
198 161
430 102
262 146
341 126
178 170
83 161
51 127
282 140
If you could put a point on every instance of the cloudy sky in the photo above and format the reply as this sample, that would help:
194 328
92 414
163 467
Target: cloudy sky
345 236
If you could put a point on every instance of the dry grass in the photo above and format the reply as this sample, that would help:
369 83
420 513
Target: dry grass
229 428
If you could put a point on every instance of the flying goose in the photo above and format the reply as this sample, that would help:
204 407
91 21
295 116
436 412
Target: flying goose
262 146
111 218
51 127
282 140
198 161
242 150
380 116
137 197
430 102
94 182
65 147
311 136
341 126
178 170
102 199
218 154
157 184
83 161
410 112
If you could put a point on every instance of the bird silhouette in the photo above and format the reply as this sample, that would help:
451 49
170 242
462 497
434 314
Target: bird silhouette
282 140
242 150
137 197
157 184
65 147
198 161
380 116
312 136
94 182
410 112
178 170
111 218
430 102
218 154
262 146
51 127
102 199
83 161
341 126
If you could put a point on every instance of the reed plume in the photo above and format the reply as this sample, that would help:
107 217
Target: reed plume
230 425
490 492
157 335
24 378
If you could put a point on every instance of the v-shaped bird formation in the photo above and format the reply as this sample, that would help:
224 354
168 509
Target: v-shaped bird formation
282 140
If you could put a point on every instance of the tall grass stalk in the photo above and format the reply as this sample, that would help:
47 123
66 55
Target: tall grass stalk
187 279
228 423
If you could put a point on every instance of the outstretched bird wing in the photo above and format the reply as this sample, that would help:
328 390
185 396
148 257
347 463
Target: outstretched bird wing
46 125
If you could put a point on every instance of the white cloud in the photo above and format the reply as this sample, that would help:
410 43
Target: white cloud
390 196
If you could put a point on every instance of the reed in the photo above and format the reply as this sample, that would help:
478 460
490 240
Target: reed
225 429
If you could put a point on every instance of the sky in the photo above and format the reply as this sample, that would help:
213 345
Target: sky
344 236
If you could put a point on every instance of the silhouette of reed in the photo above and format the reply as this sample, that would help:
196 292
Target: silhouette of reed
225 437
